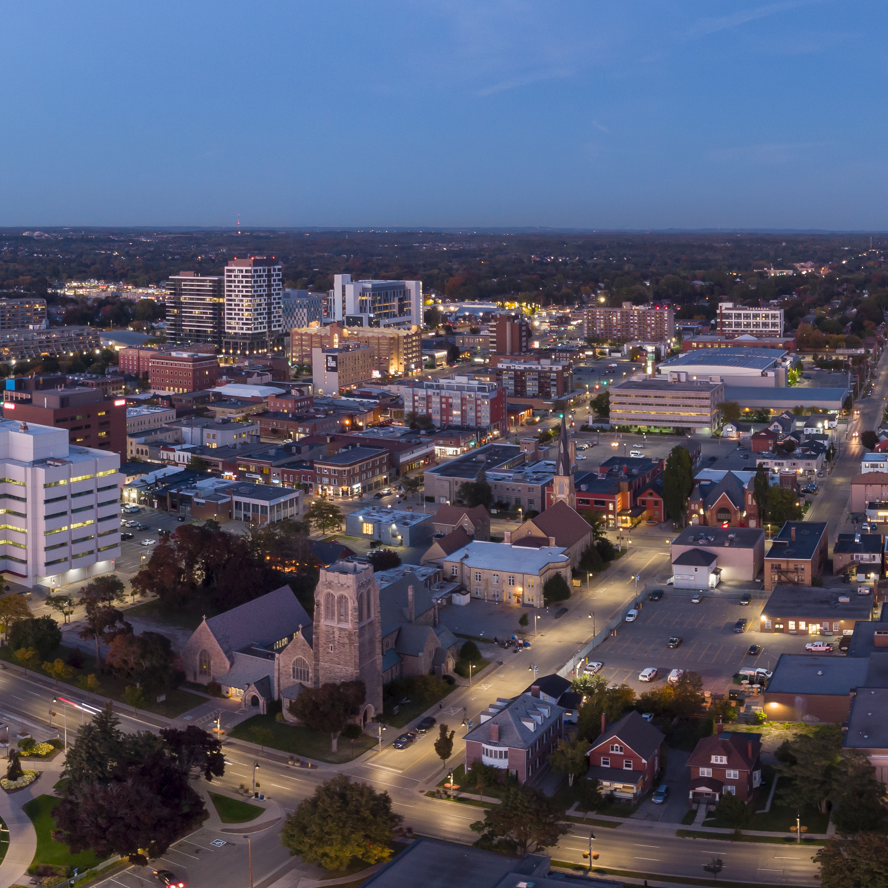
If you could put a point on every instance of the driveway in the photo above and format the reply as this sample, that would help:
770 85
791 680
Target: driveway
678 779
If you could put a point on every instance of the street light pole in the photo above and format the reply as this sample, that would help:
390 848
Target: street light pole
379 729
591 838
798 827
592 618
471 667
250 853
255 769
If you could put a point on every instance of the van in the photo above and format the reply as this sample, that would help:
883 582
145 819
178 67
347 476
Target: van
864 590
648 674
756 676
675 676
636 453
632 615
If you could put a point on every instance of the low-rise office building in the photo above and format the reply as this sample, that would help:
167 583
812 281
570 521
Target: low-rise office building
867 488
660 404
443 481
738 552
460 401
815 610
335 369
797 554
143 419
183 371
390 527
353 472
532 379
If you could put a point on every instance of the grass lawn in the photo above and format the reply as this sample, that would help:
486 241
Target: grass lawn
407 712
304 742
476 668
151 610
761 840
234 810
177 701
689 817
49 851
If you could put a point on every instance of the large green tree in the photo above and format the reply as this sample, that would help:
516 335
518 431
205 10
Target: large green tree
555 589
12 609
41 634
526 821
330 707
857 795
678 482
600 405
869 439
760 486
600 699
341 823
730 411
859 861
476 493
570 758
323 515
783 505
811 768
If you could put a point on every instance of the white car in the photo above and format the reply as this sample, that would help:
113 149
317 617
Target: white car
697 599
149 542
594 667
648 674
675 676
819 646
632 616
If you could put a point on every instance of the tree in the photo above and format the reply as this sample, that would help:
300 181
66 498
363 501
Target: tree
42 634
591 560
413 484
783 505
810 776
469 652
523 620
678 482
687 696
12 609
342 822
570 758
323 515
103 620
859 861
59 670
421 421
730 411
475 493
526 821
195 752
62 604
869 439
733 811
330 707
597 523
481 776
198 464
760 487
444 743
555 589
13 766
384 559
600 405
600 700
857 795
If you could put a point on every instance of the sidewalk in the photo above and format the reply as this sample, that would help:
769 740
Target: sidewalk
22 838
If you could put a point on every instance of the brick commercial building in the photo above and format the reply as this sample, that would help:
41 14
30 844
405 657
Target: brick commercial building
660 404
863 551
532 379
868 487
394 351
143 419
806 610
516 736
137 361
292 402
510 335
797 554
195 308
354 471
90 419
334 369
183 372
738 554
20 314
645 323
780 343
460 401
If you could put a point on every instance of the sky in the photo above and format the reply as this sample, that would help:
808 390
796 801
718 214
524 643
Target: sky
432 113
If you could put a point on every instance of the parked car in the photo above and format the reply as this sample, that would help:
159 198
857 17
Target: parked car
165 877
126 535
674 642
745 599
632 616
142 527
656 595
180 518
149 542
378 495
674 676
426 725
697 598
660 794
740 625
754 650
404 740
648 674
819 647
594 667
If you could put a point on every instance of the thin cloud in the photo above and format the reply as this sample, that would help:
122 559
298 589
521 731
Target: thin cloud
600 126
525 80
725 23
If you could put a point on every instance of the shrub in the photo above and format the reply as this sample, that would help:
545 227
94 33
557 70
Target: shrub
214 689
524 620
352 732
469 652
555 589
26 744
74 658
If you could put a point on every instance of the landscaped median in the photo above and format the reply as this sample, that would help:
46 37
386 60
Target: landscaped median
234 810
53 858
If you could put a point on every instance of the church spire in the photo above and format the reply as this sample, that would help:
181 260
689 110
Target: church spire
562 481
563 463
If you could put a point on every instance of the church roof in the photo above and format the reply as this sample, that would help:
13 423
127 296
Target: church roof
563 523
262 621
412 639
393 602
454 540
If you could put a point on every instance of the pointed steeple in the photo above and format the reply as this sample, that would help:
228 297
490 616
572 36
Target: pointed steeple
562 481
563 460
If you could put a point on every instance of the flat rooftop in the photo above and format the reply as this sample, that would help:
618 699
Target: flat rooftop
661 386
720 537
391 516
747 358
817 602
489 458
818 675
867 725
786 398
859 543
516 559
807 538
351 456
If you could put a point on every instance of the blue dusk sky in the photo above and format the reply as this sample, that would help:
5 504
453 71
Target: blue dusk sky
587 114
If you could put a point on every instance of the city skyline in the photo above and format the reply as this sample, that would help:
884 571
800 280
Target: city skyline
687 116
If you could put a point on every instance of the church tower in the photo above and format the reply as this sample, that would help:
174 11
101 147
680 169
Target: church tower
562 482
347 630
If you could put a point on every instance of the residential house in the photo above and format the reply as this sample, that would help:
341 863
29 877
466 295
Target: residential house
874 462
797 554
764 441
862 550
650 498
725 503
626 758
554 688
726 762
442 546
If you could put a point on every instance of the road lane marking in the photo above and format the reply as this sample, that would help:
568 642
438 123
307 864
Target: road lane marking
645 846
647 858
382 767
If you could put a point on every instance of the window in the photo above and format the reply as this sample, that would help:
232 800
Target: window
723 515
719 759
605 761
767 624
835 627
496 579
367 528
330 607
731 789
792 625
616 747
511 579
342 606
454 570
203 663
477 576
300 670
705 772
627 764
732 775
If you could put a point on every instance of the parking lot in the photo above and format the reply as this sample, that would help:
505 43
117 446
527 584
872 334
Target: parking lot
132 552
709 647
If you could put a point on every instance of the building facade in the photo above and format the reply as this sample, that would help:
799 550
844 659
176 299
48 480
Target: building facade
460 401
510 334
253 313
195 308
22 344
353 472
376 303
19 314
797 554
647 323
534 379
334 369
395 351
183 371
299 308
661 404
739 319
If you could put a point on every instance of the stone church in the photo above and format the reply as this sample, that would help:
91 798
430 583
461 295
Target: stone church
270 649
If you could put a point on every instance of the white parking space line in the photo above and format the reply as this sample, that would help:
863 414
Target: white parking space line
193 856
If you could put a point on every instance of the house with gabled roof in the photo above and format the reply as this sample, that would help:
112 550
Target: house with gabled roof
475 521
626 757
725 502
726 762
446 545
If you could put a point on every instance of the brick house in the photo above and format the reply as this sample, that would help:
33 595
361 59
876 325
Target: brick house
625 759
797 554
803 610
725 762
475 521
650 498
763 441
516 736
728 502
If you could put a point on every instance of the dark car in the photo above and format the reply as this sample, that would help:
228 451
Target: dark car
377 496
740 626
404 740
660 795
126 535
656 595
180 518
745 599
426 724
754 650
141 527
674 642
165 877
